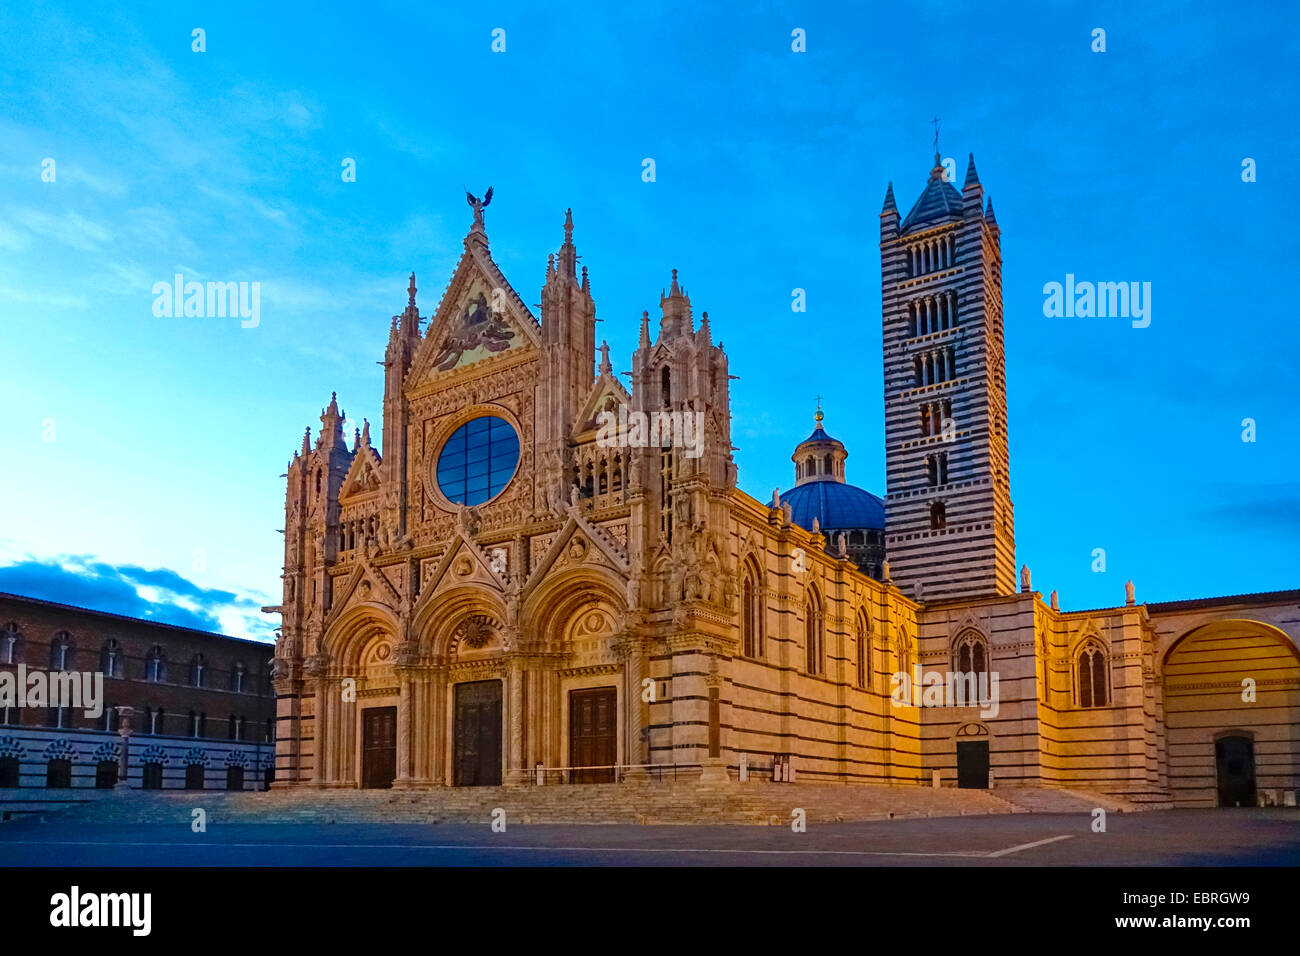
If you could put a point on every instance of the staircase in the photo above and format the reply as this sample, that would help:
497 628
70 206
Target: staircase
1062 800
651 803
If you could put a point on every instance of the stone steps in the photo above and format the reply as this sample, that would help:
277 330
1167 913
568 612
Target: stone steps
757 803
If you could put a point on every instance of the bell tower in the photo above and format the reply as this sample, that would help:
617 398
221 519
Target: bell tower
948 507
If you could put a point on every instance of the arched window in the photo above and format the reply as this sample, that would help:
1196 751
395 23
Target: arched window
904 649
11 642
864 652
666 381
61 651
58 773
110 658
196 670
237 676
155 666
813 632
970 655
751 613
1091 676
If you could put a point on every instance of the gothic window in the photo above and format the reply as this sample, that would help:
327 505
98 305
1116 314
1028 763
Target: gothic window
317 481
196 671
666 494
110 658
938 516
864 652
970 655
61 651
813 637
604 476
1091 674
11 641
751 613
237 677
665 380
155 666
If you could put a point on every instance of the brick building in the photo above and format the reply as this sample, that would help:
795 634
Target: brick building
201 710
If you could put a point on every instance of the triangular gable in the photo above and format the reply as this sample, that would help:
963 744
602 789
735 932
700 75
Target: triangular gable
463 562
381 590
600 542
605 387
364 477
480 317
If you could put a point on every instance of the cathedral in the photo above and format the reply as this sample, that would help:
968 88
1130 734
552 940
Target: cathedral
518 585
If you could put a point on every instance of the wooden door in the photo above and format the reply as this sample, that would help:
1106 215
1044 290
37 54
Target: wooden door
378 747
973 764
194 774
1234 759
477 734
593 734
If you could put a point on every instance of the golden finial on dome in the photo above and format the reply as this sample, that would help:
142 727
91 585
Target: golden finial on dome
819 416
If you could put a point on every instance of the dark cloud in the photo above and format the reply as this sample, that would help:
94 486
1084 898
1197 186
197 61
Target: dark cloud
100 586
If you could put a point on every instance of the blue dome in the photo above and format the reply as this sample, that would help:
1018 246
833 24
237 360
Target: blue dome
837 506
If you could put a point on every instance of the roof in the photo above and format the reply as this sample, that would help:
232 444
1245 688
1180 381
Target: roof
939 202
836 506
819 434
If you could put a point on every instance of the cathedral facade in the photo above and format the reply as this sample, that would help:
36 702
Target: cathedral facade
548 577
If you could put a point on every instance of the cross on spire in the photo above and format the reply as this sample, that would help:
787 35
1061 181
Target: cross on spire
935 121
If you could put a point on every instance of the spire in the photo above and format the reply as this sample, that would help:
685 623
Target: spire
586 285
645 331
568 226
988 214
568 258
676 306
889 200
972 177
936 171
410 293
705 334
605 367
306 442
331 420
365 431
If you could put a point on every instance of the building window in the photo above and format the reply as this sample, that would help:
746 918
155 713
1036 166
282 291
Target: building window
864 652
194 776
478 460
106 774
60 651
153 775
1092 673
196 671
666 386
234 778
110 658
970 656
58 774
155 666
751 614
11 640
813 633
938 516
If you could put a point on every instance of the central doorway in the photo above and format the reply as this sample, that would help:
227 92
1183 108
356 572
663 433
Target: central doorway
378 747
973 764
1234 761
477 760
593 734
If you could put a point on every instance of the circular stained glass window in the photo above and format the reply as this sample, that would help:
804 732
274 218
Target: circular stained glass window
478 460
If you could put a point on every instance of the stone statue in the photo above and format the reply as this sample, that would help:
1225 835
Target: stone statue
1056 604
1129 597
478 205
1024 578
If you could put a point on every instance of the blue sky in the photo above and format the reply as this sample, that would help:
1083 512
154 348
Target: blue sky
160 484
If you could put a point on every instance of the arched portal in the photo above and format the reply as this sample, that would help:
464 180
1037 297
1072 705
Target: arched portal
1232 713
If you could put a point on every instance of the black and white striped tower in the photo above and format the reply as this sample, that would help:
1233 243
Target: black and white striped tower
948 514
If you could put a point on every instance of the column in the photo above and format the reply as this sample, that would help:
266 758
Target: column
405 708
516 773
123 758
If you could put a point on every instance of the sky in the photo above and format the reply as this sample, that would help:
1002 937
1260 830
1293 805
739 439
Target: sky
143 452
